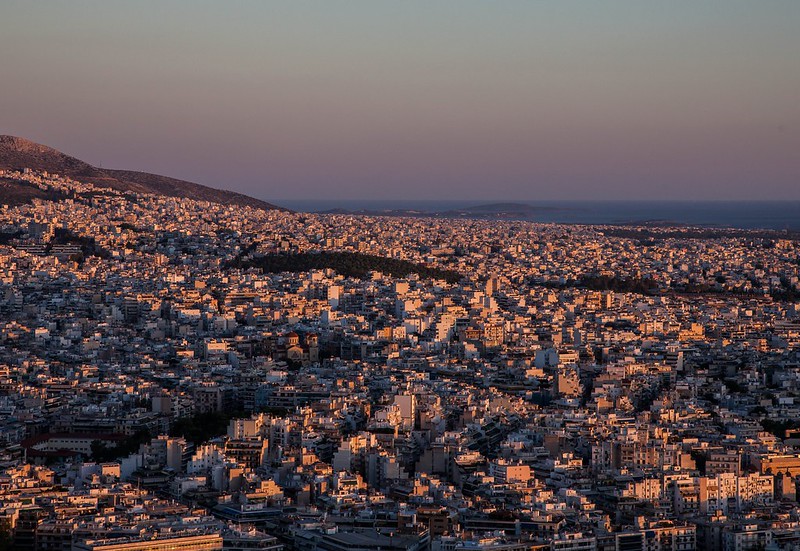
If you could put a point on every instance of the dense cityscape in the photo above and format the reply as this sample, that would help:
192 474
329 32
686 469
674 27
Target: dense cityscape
411 384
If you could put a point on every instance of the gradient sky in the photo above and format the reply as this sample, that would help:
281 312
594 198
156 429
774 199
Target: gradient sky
490 100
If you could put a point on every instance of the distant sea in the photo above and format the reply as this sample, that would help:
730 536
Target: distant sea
777 215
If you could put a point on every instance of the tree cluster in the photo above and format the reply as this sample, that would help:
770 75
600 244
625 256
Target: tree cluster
355 265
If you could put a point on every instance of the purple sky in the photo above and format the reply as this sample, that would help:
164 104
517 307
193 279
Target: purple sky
512 100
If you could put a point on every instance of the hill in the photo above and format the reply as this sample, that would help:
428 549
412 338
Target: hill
494 211
356 265
507 207
19 153
18 192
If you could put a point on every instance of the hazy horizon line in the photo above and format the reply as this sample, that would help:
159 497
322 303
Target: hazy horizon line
532 201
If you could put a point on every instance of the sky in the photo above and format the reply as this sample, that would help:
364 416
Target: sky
435 99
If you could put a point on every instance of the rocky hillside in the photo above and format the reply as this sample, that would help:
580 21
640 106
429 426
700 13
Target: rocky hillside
19 153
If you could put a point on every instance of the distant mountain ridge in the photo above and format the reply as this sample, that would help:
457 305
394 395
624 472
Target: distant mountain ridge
493 211
19 153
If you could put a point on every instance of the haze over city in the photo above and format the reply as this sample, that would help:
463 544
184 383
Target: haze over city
388 100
